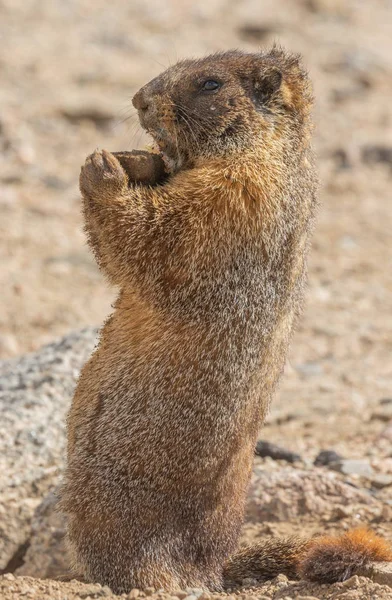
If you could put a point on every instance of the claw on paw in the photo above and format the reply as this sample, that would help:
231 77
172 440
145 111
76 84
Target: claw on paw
102 176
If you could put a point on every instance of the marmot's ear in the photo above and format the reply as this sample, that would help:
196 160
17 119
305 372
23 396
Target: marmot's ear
266 84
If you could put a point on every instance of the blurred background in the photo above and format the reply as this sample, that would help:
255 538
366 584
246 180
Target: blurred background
68 71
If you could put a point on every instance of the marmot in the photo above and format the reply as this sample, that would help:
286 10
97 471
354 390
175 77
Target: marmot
210 259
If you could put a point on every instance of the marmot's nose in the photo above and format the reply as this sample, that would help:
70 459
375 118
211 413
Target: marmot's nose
140 100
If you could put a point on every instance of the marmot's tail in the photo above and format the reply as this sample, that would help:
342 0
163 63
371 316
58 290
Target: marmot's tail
331 558
325 559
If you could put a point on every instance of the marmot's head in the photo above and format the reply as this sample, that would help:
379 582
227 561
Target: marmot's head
219 104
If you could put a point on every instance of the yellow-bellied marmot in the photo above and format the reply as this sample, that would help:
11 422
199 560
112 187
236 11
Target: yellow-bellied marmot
211 261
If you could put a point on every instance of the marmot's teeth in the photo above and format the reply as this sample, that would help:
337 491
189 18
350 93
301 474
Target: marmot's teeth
170 163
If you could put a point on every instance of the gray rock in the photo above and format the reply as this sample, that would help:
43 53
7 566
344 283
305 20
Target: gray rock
287 493
46 555
35 393
353 467
379 572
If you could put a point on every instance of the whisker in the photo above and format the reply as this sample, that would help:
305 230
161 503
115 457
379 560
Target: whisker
157 62
128 107
139 138
124 120
198 123
191 130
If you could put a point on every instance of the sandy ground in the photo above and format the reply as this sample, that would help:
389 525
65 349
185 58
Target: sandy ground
68 71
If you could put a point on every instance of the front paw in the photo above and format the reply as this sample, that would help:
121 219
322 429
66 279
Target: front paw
102 177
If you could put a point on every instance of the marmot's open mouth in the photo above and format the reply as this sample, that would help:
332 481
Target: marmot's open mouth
167 151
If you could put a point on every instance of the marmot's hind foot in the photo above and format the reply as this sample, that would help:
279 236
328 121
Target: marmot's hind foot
336 558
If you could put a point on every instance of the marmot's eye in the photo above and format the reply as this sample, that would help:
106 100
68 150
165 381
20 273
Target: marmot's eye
210 85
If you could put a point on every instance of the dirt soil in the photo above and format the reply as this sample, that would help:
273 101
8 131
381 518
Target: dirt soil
68 71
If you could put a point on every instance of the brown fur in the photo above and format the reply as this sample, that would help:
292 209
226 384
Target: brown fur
266 559
211 267
331 558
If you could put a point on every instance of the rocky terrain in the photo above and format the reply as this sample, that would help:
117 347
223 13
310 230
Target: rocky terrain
68 71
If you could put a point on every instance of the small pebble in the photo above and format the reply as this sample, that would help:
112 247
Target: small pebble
135 593
281 581
352 582
26 154
387 433
381 481
195 592
8 345
309 369
372 154
249 582
384 413
386 513
265 449
342 512
326 457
